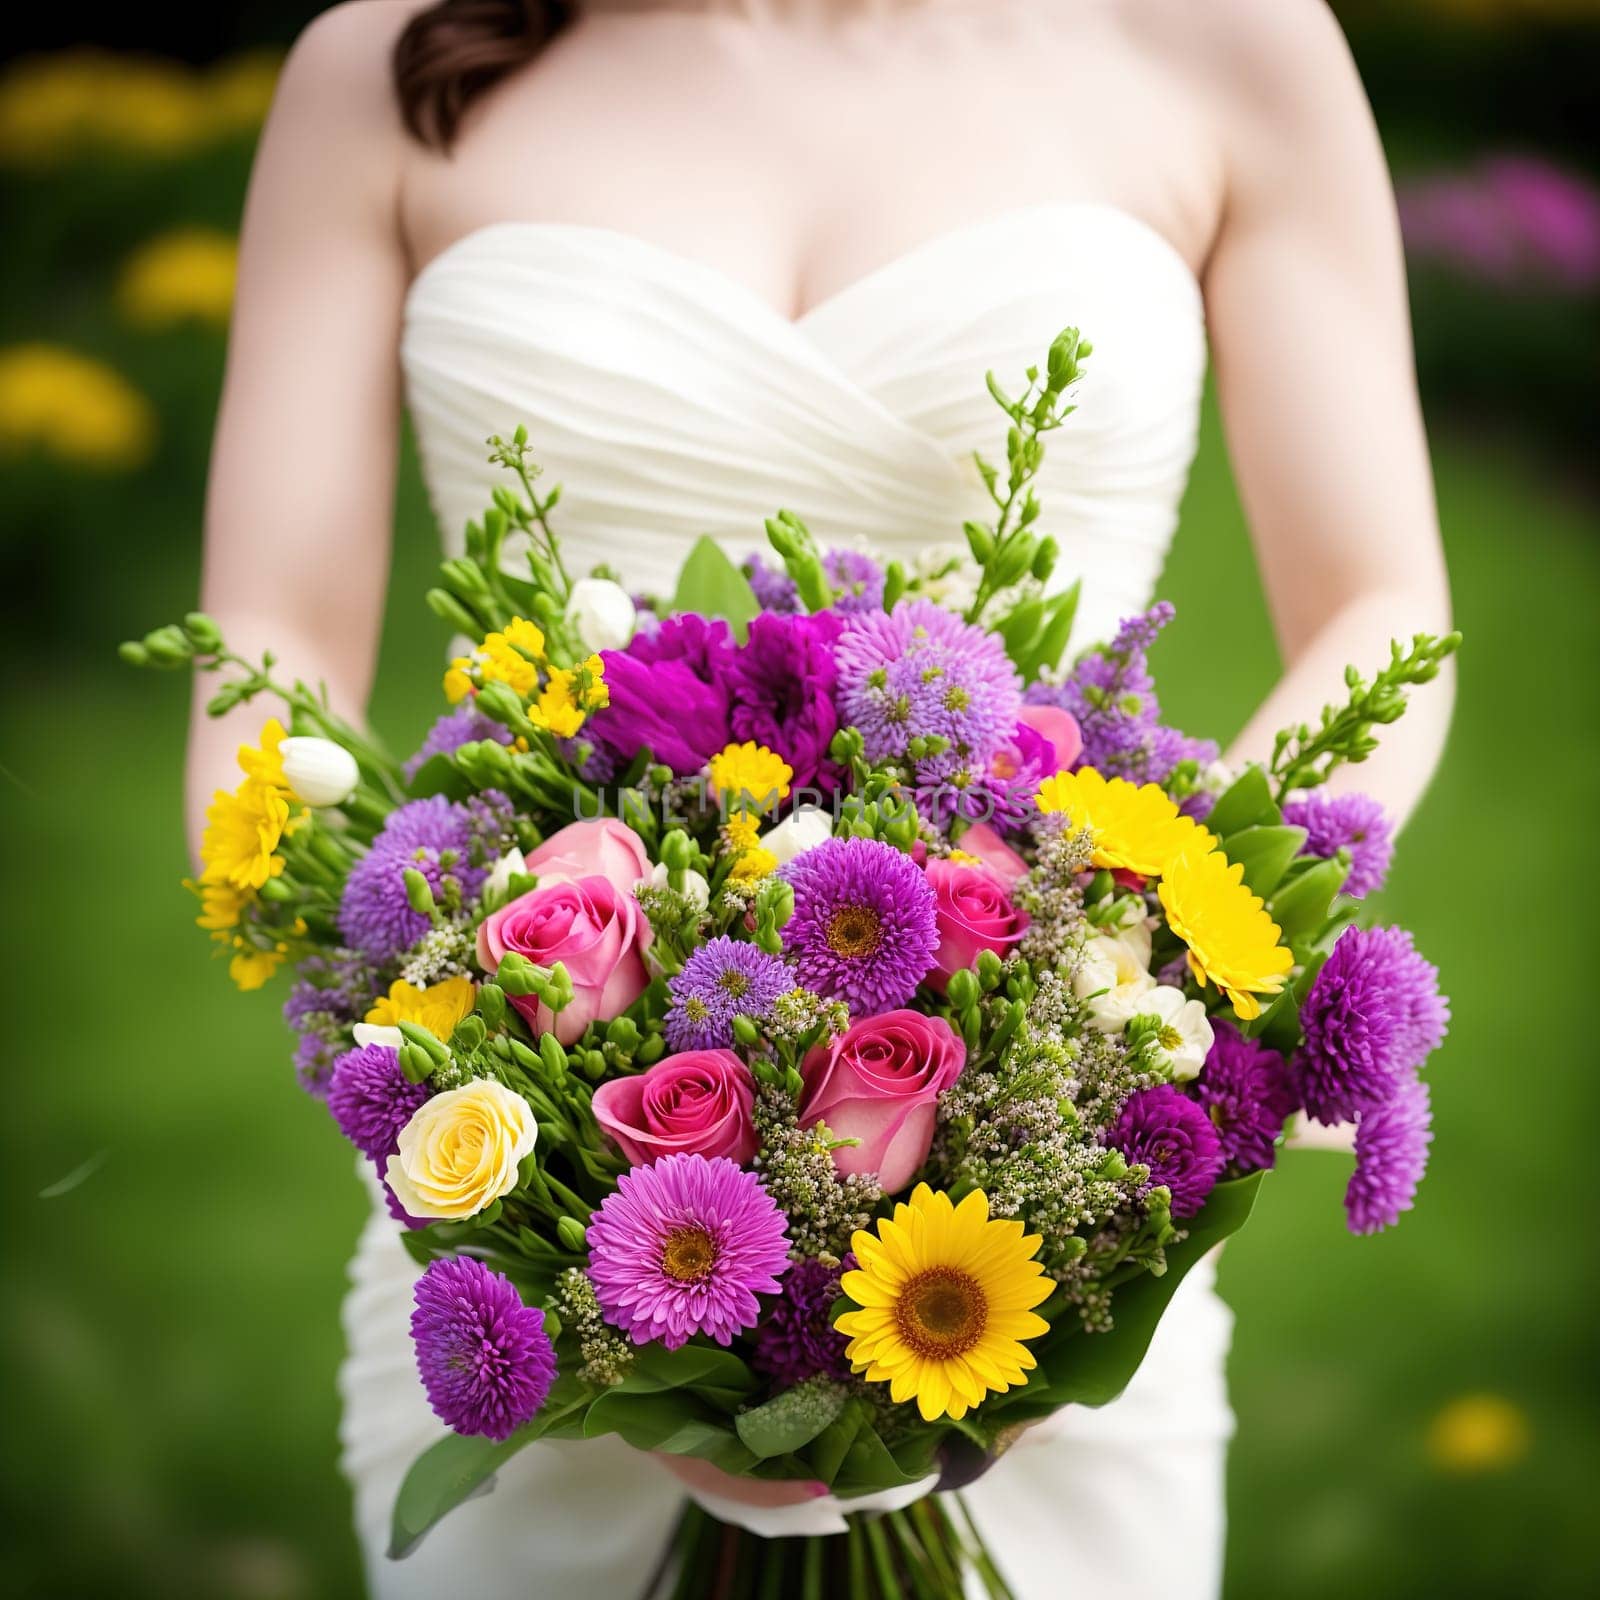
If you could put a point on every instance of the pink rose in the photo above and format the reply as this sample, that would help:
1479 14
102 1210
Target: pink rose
591 926
878 1084
604 846
973 913
982 841
1060 728
698 1103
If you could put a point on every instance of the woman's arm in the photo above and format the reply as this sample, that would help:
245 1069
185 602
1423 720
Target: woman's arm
299 501
1306 300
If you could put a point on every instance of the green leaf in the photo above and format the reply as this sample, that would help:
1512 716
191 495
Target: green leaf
869 1465
1019 628
718 1376
438 775
832 1445
1051 642
711 585
675 1422
1246 803
1265 852
791 1421
1301 905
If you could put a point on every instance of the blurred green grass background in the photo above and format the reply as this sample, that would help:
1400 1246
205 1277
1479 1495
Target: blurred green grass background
1417 1412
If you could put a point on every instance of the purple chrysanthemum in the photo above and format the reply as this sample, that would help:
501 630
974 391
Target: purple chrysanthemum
1351 822
372 1099
780 692
796 1341
863 929
684 1246
722 979
1373 1014
430 835
773 588
857 577
1391 1156
484 1356
465 725
1163 1129
1246 1091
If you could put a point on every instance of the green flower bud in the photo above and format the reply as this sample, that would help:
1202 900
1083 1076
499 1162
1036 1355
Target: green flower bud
623 1032
469 1033
990 968
448 609
962 990
980 541
203 631
277 891
793 1083
553 1053
134 653
594 1065
517 975
651 1051
414 1033
1014 559
894 584
492 1005
419 896
746 1032
415 1063
1044 560
168 647
573 1236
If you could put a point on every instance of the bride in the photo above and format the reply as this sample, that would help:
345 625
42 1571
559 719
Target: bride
723 256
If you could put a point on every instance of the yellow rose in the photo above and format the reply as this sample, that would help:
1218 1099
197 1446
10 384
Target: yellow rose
459 1152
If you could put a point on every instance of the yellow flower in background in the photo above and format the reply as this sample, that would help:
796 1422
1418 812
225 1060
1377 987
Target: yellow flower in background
946 1297
221 904
457 680
251 968
239 91
73 408
460 1150
754 864
1136 827
184 276
1478 1433
1233 941
438 1008
753 771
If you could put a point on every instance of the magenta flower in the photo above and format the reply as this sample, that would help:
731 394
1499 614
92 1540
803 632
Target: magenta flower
1161 1128
1391 1157
684 1247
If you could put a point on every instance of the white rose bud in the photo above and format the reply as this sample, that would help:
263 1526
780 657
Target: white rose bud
602 613
803 829
377 1033
695 888
510 865
320 772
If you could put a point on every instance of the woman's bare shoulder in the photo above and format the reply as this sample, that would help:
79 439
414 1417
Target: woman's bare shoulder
342 58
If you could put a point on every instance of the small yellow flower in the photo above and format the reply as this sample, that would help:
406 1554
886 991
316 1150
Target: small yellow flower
251 968
221 904
740 833
753 864
750 771
946 1297
73 408
457 680
183 276
1233 941
460 1150
242 834
1479 1433
266 764
557 708
594 693
966 858
1137 828
438 1008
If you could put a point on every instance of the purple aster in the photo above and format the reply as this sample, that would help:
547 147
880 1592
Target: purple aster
372 1099
1004 795
796 1341
491 824
1112 695
722 979
314 1056
1163 1129
1246 1091
430 835
857 576
484 1356
668 694
1391 1156
465 725
773 588
863 929
1350 822
780 692
684 1246
1373 1014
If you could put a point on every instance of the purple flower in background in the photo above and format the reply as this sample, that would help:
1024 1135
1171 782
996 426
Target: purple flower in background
491 824
684 1246
1352 822
465 725
314 1058
433 836
858 576
1015 771
1113 697
780 693
485 1359
773 588
333 991
1374 1014
864 929
371 1099
795 1340
1163 1129
722 979
1391 1157
1247 1093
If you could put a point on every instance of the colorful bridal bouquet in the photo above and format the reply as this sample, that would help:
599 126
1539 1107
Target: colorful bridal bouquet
800 1025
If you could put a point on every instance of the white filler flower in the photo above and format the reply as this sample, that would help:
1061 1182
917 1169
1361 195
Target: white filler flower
1185 1038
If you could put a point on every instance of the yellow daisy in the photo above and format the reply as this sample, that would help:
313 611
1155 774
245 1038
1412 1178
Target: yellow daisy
438 1008
266 764
1233 941
242 834
557 708
1135 827
751 770
946 1296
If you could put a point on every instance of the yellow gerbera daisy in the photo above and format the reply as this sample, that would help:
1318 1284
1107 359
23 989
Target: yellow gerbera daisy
1233 941
946 1296
1135 827
438 1008
752 770
242 834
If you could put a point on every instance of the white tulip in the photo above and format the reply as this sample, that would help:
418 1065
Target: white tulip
695 888
1114 977
803 829
498 884
602 613
371 1033
320 772
1185 1038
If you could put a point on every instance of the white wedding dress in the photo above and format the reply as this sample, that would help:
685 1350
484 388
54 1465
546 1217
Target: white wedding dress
671 402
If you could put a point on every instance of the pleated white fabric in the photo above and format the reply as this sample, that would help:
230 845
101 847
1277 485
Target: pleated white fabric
671 402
